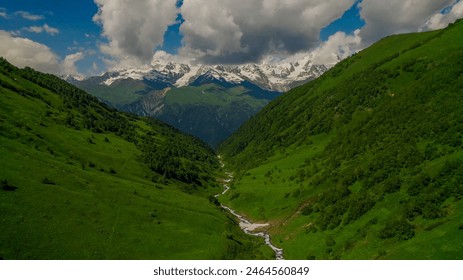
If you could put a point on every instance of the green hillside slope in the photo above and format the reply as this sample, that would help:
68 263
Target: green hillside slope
82 181
365 162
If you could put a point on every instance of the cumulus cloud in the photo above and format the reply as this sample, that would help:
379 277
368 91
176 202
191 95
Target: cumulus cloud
24 52
164 56
69 63
134 29
251 31
44 28
384 18
241 31
338 46
235 31
29 16
50 30
441 20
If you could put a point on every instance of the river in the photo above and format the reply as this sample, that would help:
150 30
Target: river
247 226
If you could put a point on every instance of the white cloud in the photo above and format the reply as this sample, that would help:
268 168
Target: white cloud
34 29
441 20
338 46
45 28
3 13
50 30
234 31
134 29
164 56
384 18
24 52
69 63
237 31
29 16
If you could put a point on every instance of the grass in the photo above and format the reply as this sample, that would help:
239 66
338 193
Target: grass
279 193
117 94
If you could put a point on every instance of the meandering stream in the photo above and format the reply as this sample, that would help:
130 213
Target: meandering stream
247 226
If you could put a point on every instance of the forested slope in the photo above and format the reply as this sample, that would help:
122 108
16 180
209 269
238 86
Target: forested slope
366 161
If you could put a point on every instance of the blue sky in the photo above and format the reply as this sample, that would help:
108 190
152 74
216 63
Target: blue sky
73 19
173 37
68 27
349 22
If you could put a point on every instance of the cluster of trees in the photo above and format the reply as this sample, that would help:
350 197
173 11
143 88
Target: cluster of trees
178 156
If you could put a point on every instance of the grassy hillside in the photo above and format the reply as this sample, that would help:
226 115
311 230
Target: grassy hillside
82 181
117 94
365 162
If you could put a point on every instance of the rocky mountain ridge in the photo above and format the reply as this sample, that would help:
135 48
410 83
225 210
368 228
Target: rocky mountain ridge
268 76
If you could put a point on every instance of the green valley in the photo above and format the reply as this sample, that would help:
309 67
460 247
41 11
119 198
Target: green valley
80 180
365 162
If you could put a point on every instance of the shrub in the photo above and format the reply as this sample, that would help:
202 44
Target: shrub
47 181
7 187
400 229
307 210
214 200
329 241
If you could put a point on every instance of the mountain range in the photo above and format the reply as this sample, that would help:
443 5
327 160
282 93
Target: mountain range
279 77
228 95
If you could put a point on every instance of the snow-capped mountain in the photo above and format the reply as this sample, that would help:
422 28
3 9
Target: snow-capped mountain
73 78
272 77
